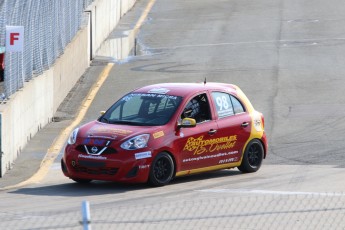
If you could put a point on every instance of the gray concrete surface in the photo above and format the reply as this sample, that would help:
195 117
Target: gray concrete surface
287 57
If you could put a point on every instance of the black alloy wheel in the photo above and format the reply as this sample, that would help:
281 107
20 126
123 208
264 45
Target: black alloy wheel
252 158
162 170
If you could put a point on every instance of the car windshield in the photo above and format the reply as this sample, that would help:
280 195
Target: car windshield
142 109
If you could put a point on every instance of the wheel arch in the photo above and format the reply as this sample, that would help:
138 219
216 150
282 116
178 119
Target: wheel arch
172 157
262 143
258 139
263 146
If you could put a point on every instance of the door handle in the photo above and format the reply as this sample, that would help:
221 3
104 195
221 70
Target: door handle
212 131
244 124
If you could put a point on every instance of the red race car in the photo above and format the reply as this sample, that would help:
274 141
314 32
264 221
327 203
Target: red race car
162 131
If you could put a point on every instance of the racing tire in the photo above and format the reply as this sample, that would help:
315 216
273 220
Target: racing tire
252 157
161 170
81 181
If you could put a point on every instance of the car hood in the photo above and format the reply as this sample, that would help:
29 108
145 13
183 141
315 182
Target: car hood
96 129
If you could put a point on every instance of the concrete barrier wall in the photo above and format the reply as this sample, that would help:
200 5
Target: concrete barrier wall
32 107
118 47
70 66
27 111
102 25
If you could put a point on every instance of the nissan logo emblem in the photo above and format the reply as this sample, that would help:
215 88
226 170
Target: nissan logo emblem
94 149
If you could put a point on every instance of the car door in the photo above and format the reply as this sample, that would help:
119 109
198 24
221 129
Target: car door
234 126
195 144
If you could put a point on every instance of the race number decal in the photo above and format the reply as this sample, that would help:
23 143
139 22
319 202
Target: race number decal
223 104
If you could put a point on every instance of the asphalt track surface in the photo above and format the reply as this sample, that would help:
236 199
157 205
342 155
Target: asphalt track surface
287 56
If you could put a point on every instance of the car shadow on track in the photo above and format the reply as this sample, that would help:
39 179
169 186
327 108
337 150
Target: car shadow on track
73 189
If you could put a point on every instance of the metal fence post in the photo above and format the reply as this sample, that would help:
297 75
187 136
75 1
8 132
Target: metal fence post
86 222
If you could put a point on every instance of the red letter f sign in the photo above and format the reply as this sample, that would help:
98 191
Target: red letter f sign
14 38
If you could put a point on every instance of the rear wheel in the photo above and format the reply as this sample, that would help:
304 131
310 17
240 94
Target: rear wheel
162 170
252 157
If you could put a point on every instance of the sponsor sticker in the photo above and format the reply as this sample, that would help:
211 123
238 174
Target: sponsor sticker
200 146
159 90
143 155
109 130
92 157
144 166
198 158
158 134
96 141
257 123
229 160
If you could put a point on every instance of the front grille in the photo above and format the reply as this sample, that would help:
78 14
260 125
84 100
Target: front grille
80 148
96 171
91 164
108 150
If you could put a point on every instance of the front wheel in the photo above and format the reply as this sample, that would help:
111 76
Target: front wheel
161 170
252 157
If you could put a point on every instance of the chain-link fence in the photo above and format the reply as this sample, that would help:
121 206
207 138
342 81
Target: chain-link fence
48 27
224 211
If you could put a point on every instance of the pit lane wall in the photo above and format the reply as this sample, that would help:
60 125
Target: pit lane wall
33 106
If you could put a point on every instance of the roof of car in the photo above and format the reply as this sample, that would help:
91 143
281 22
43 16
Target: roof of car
185 89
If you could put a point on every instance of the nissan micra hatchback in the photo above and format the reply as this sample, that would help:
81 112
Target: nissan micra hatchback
162 131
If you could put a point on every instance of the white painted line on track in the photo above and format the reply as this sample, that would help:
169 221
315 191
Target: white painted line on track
310 41
270 192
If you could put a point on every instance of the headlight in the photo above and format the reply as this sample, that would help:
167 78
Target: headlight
137 142
73 137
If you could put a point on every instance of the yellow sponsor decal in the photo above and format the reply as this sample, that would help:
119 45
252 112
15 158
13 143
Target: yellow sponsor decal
158 134
200 146
121 131
111 131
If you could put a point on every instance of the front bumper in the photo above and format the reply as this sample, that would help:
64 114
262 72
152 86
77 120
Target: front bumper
107 168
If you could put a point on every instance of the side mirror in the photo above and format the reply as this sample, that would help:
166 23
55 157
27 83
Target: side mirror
102 112
187 123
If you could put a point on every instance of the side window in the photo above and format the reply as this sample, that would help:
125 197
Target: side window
223 104
238 107
198 108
